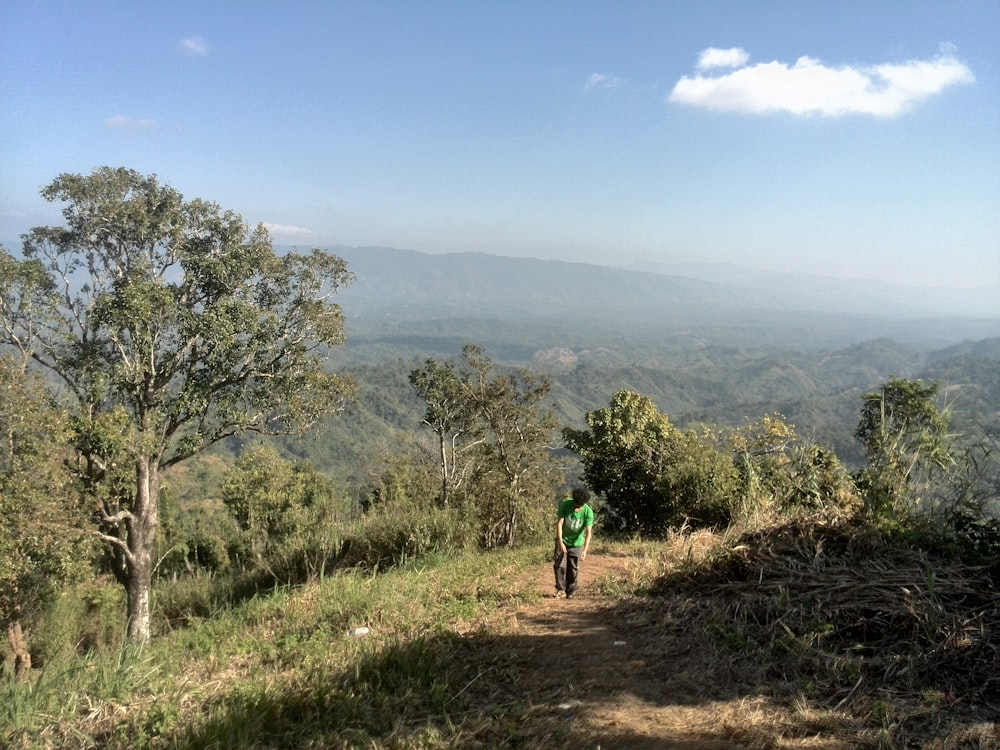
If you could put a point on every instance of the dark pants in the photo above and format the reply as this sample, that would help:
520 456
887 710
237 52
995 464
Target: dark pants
567 568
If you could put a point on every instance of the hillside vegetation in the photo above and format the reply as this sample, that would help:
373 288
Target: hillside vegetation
803 633
226 527
694 382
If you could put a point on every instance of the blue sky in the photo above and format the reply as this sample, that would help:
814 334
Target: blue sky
849 139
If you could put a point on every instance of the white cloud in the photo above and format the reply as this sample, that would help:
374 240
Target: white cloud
602 81
286 230
722 58
193 46
808 87
129 124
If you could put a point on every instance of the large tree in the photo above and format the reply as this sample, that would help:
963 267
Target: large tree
625 453
171 325
520 426
653 475
452 417
495 428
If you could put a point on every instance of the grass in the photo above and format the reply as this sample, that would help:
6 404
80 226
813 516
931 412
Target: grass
281 665
779 632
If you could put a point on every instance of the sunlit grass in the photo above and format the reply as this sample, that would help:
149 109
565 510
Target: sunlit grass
282 670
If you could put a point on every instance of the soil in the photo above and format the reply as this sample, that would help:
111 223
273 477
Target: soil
593 671
599 673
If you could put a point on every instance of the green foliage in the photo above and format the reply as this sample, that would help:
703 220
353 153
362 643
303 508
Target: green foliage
451 415
405 481
197 533
26 709
700 482
624 456
906 442
819 480
388 536
178 322
493 432
42 543
779 471
651 474
85 618
287 512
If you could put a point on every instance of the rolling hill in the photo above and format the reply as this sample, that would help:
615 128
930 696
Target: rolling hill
405 292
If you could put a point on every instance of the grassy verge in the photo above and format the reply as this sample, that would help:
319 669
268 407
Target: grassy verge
283 666
795 631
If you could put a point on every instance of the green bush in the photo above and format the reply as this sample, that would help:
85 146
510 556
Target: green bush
699 484
388 537
87 617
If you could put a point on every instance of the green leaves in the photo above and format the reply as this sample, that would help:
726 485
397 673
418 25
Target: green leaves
905 437
652 474
177 324
494 430
41 521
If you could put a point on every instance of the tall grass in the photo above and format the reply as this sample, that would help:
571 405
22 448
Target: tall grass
280 664
278 667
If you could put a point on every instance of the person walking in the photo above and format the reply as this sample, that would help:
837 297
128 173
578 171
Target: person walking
574 530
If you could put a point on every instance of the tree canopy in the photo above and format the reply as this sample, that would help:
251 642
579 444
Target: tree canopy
170 324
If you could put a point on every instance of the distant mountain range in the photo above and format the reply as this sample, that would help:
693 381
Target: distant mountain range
826 294
406 287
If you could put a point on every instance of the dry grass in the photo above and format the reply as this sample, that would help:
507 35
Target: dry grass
888 645
805 634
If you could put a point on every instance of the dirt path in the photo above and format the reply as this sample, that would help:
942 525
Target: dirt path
615 677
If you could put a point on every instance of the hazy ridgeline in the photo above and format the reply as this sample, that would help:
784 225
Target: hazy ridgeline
706 352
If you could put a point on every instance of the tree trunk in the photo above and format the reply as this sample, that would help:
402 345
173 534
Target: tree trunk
141 539
444 470
21 657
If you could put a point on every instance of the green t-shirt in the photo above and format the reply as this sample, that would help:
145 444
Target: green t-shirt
574 523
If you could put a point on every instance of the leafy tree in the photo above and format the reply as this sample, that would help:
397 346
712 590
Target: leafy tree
494 427
699 486
451 416
274 500
520 427
406 480
172 325
905 438
625 455
761 452
652 474
196 531
819 480
42 543
777 469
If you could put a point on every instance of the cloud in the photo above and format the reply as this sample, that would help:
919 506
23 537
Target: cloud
808 87
129 124
602 81
193 46
286 230
722 58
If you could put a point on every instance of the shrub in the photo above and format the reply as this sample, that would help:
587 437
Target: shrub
389 536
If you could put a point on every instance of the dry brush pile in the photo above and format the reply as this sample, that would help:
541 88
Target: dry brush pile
889 635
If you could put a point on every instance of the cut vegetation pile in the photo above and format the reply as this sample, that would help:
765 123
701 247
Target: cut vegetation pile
905 644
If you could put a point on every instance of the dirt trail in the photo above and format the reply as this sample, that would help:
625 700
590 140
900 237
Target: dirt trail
613 678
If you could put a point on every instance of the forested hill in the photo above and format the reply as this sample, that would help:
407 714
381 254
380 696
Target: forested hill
402 290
